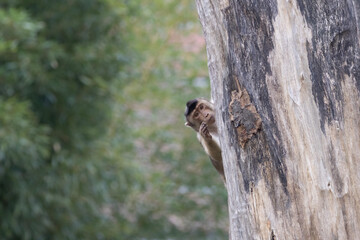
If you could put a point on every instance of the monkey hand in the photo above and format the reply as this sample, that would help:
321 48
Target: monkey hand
204 131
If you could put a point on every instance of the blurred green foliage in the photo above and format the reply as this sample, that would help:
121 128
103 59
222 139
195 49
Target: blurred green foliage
92 142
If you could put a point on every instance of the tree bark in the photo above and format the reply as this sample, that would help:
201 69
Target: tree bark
292 67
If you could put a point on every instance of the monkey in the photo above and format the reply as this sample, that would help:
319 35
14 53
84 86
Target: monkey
200 116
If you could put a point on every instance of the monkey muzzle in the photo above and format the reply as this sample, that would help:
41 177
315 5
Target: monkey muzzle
209 118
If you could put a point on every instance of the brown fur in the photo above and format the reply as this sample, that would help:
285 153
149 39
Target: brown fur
200 116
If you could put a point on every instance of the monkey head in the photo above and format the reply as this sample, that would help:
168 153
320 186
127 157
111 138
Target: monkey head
198 111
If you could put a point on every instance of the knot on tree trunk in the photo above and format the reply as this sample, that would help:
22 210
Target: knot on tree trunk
244 116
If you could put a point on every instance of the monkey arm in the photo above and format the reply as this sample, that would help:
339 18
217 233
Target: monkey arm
219 167
213 150
209 142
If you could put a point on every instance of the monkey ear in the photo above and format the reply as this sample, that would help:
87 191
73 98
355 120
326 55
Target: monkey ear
188 124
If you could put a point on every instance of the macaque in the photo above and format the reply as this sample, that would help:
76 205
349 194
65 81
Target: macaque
200 116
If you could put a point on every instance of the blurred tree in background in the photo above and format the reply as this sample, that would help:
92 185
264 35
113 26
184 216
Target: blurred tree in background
92 142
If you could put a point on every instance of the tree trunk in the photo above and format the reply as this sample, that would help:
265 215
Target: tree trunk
285 79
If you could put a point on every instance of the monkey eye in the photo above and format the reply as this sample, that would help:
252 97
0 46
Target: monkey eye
201 107
196 114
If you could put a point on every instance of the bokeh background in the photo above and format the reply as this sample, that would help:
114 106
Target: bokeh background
92 137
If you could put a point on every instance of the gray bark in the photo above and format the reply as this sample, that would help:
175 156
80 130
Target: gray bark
298 62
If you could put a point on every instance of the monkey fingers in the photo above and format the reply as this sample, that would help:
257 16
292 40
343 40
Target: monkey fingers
204 131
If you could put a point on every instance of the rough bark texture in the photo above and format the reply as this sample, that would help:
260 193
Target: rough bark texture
298 176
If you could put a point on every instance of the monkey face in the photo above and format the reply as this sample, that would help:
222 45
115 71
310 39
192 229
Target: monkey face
199 111
203 113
